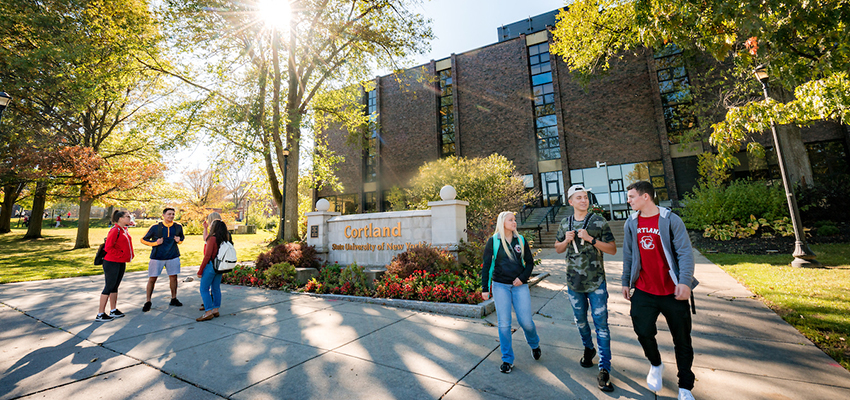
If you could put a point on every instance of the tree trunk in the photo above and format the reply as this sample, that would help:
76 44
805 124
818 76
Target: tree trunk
107 217
83 227
291 179
37 214
797 163
11 192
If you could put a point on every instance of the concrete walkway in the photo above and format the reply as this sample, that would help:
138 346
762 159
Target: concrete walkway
273 345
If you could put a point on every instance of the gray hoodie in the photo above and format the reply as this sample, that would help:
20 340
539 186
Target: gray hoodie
681 266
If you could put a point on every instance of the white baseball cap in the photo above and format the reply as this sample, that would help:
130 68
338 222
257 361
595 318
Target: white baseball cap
576 188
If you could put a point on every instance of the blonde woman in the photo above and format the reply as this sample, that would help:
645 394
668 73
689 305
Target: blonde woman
507 266
213 216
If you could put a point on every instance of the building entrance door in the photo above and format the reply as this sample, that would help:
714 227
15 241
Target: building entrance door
553 187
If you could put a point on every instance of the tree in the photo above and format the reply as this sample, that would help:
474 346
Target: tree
490 185
804 43
76 68
327 45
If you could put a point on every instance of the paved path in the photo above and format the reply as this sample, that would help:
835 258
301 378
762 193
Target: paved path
273 345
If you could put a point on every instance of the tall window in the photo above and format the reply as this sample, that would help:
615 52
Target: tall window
371 159
545 121
447 114
613 184
675 87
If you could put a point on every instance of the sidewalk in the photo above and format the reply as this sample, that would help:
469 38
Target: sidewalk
274 345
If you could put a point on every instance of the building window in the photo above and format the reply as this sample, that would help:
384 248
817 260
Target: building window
545 121
828 160
675 87
370 161
553 188
370 203
344 203
446 114
613 192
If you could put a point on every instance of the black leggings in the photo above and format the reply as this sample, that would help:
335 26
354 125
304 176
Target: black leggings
113 272
644 312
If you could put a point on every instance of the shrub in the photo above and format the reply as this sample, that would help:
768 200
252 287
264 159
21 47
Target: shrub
299 254
279 275
243 275
825 201
444 286
421 258
335 279
718 205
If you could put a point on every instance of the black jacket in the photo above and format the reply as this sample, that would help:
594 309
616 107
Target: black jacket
506 269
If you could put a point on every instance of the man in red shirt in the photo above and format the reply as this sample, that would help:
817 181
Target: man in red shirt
658 277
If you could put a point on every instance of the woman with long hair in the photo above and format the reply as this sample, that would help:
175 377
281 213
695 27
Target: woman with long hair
507 266
210 279
211 217
119 251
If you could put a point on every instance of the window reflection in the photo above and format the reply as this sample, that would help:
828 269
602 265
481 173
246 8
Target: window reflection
613 192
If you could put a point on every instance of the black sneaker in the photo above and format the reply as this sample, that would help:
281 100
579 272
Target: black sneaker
116 313
604 381
102 317
506 368
536 353
587 360
175 303
146 307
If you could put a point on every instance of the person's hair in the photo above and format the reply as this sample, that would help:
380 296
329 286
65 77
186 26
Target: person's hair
214 216
500 231
167 209
219 232
643 187
117 215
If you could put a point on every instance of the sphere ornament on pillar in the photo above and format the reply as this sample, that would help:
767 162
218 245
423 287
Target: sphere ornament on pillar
448 193
323 205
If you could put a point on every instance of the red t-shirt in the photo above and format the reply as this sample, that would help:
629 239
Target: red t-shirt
654 275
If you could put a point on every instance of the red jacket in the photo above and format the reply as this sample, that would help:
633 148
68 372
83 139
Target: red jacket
210 252
119 245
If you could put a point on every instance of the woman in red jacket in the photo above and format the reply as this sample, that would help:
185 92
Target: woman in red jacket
119 251
210 279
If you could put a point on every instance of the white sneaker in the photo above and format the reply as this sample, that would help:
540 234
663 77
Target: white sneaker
685 394
653 378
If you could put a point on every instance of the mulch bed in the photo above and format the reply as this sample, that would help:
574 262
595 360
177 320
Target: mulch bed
762 245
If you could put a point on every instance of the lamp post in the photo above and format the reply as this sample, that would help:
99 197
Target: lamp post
280 232
608 182
804 257
4 101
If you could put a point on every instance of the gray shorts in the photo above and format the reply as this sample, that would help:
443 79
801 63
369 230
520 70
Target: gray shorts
172 267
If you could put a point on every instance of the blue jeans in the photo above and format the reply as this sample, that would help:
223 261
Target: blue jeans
211 288
504 296
598 301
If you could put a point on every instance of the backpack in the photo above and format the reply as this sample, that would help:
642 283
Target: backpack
225 261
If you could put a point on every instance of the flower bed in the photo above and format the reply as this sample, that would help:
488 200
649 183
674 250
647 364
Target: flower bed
423 274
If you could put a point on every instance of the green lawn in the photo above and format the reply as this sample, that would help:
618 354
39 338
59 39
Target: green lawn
53 256
815 301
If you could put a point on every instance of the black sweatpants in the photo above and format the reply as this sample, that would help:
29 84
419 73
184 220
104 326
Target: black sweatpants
644 313
113 272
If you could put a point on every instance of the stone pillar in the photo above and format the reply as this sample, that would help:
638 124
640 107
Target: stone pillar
317 228
448 220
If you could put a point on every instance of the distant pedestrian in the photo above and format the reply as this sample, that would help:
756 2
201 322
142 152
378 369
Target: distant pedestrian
164 238
508 263
26 221
213 216
584 237
658 277
210 278
58 221
119 251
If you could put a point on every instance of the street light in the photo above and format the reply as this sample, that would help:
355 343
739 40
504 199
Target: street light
804 257
607 179
280 232
4 101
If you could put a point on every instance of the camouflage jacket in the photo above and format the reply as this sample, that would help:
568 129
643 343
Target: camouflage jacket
585 270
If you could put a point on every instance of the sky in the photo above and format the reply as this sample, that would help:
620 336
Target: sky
459 26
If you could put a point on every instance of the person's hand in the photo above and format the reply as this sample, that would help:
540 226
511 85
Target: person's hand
159 241
582 234
206 224
569 236
682 292
626 294
517 282
199 275
485 295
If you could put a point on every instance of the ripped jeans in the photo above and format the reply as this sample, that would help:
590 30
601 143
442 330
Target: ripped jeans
598 302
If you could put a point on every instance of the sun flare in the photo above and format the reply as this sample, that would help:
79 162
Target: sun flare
274 13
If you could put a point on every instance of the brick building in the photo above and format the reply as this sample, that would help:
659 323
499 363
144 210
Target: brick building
512 98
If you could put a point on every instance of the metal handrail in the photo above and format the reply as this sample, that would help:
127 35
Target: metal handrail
522 213
553 212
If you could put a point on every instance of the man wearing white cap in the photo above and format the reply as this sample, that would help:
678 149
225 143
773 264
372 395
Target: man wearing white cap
585 236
